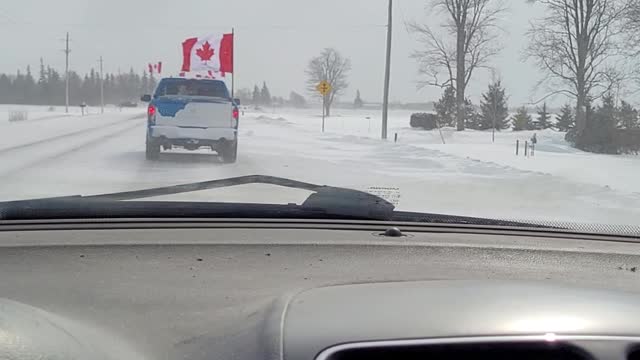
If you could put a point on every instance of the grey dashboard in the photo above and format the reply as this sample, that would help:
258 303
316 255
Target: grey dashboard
235 292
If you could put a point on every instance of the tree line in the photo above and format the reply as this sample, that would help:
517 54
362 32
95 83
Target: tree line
585 49
493 113
47 87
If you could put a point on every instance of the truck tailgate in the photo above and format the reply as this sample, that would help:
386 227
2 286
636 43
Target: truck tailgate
195 112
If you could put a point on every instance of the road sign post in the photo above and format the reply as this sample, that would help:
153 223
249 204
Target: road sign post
323 110
324 88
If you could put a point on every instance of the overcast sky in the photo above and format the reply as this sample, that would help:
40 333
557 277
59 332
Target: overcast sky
274 40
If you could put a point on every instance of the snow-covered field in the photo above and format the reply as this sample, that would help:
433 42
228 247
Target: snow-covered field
54 154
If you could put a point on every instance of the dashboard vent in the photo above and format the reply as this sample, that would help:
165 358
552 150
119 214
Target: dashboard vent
470 351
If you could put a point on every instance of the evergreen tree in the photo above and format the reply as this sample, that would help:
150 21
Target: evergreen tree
265 95
75 89
5 89
565 120
606 113
601 124
627 116
48 87
56 87
256 96
471 116
522 120
543 120
493 107
446 107
297 100
145 83
42 86
30 91
604 119
358 103
18 89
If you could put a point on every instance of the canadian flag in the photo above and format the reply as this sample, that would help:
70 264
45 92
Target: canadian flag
155 68
210 53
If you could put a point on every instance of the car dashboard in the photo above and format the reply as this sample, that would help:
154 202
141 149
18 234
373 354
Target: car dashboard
305 291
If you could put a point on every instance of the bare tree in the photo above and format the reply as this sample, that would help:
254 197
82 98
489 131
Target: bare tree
577 45
332 67
469 41
632 27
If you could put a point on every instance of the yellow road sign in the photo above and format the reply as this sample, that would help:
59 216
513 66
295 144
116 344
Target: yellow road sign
323 87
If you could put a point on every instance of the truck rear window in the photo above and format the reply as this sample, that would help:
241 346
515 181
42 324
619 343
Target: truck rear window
190 87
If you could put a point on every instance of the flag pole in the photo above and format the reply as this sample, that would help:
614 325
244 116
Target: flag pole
233 65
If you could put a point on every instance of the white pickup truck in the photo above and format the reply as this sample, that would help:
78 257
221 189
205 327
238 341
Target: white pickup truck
192 113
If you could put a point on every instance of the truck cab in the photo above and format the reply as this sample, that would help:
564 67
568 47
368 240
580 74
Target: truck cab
192 114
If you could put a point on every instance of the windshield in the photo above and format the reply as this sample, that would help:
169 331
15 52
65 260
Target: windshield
209 88
482 108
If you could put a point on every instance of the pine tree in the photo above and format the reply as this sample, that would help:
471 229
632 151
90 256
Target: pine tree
145 83
471 116
493 107
522 120
18 89
30 90
358 103
5 89
627 116
256 96
606 113
446 107
297 100
543 120
56 87
265 95
565 121
603 120
43 86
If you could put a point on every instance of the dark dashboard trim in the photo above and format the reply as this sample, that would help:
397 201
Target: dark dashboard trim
549 337
301 224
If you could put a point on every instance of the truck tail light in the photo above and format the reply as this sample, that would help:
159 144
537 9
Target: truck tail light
236 113
151 114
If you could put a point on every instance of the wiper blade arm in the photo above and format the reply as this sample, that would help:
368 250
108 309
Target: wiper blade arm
333 202
207 185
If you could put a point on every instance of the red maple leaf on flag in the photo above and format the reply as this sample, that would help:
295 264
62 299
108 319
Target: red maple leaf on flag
206 52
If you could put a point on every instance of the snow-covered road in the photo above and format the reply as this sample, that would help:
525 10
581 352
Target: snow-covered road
64 155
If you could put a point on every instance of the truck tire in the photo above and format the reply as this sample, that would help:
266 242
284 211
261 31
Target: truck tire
152 150
230 153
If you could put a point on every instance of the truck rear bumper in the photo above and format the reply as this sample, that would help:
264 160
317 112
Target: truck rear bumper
188 133
191 138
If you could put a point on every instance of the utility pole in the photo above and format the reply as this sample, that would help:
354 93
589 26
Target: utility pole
387 73
101 88
66 75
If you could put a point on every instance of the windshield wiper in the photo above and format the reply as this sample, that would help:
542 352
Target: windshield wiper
325 202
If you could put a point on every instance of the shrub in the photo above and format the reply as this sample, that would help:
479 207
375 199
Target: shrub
426 121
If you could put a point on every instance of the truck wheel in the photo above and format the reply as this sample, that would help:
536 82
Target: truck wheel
230 153
153 150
